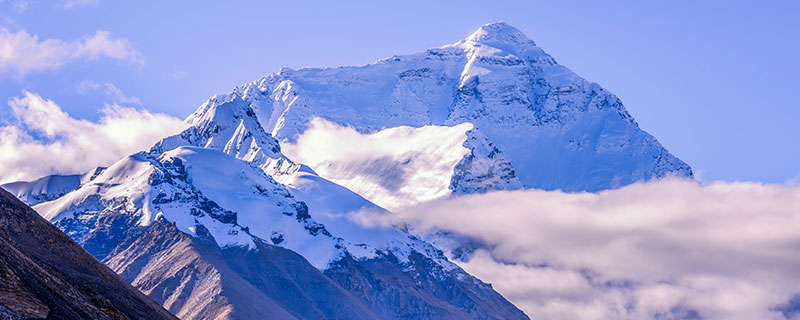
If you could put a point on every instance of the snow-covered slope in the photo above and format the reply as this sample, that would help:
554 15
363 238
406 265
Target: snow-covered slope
48 187
536 124
238 220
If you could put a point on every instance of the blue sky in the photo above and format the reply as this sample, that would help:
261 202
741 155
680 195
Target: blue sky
714 81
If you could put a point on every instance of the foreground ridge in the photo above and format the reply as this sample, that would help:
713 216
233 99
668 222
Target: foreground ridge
47 275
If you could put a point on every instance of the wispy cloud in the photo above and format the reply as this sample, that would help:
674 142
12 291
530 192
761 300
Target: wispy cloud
669 248
43 139
112 93
78 3
15 6
22 53
177 75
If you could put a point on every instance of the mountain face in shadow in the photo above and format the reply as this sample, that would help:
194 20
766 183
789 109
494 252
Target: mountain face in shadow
45 275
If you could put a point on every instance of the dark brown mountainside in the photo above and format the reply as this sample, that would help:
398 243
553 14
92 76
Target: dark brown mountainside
44 274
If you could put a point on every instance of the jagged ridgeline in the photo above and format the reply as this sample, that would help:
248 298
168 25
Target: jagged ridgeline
218 222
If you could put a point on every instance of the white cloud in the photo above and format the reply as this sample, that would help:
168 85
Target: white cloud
101 44
78 3
671 247
22 53
111 91
45 139
392 167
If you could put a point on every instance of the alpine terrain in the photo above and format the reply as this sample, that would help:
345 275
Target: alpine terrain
255 210
524 122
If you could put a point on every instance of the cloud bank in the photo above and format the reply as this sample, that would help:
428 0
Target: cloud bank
669 249
43 139
22 53
392 167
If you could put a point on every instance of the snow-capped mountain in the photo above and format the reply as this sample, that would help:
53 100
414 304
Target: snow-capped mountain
253 211
535 123
207 234
226 123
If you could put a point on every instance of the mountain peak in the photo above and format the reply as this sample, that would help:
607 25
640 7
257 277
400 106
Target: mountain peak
499 33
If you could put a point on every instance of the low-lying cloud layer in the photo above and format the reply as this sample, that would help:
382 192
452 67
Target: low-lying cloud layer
670 249
44 139
22 53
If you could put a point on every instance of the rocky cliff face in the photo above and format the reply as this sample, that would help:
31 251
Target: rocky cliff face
44 274
196 279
